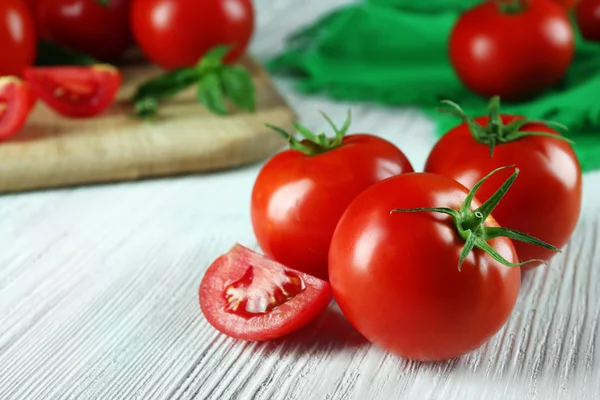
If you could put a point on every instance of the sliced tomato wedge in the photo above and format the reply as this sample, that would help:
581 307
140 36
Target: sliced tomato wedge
16 101
250 297
73 91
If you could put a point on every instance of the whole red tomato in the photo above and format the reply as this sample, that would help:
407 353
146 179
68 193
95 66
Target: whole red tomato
588 19
177 33
17 37
395 276
514 54
301 193
86 25
546 200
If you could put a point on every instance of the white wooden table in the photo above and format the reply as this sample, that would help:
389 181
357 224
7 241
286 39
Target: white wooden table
98 292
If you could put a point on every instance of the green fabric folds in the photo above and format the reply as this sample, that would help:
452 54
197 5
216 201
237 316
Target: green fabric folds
394 52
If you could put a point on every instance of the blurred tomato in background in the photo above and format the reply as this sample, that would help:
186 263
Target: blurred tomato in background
101 31
588 19
177 33
17 37
515 51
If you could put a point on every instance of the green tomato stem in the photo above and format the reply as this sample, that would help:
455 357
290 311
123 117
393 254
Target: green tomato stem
496 132
470 224
315 143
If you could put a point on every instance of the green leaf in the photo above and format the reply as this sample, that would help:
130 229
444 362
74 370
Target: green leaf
239 87
211 95
103 2
213 59
168 84
146 107
50 54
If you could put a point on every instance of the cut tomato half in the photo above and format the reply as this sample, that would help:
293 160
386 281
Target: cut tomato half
76 92
248 296
16 101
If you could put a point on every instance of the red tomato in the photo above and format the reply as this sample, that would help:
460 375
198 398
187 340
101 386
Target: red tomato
247 296
85 25
17 38
588 19
546 200
76 92
298 199
31 4
395 275
16 101
177 33
516 55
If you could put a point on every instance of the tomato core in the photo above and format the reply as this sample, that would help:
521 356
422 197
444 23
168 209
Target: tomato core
260 290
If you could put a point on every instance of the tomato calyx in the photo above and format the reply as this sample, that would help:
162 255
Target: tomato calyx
512 6
214 79
470 224
496 132
315 143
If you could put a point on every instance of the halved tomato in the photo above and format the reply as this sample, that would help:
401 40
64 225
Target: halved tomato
248 296
16 101
75 91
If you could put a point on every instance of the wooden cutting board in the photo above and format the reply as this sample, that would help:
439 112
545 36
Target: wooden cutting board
53 151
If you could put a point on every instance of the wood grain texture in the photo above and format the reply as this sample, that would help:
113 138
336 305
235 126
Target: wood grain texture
55 151
98 294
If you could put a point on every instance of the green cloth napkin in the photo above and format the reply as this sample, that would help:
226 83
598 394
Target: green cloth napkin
394 52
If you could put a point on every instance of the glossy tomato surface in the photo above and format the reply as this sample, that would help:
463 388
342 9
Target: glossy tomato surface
177 33
395 276
544 202
247 296
76 92
515 56
17 37
16 101
588 19
85 25
297 200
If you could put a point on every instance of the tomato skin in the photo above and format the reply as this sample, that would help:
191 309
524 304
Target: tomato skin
278 322
395 276
87 26
297 200
588 18
17 38
545 201
513 56
84 91
190 28
16 101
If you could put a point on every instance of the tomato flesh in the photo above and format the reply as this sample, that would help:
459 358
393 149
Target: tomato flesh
248 296
395 275
297 200
260 290
514 56
76 92
544 202
16 101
